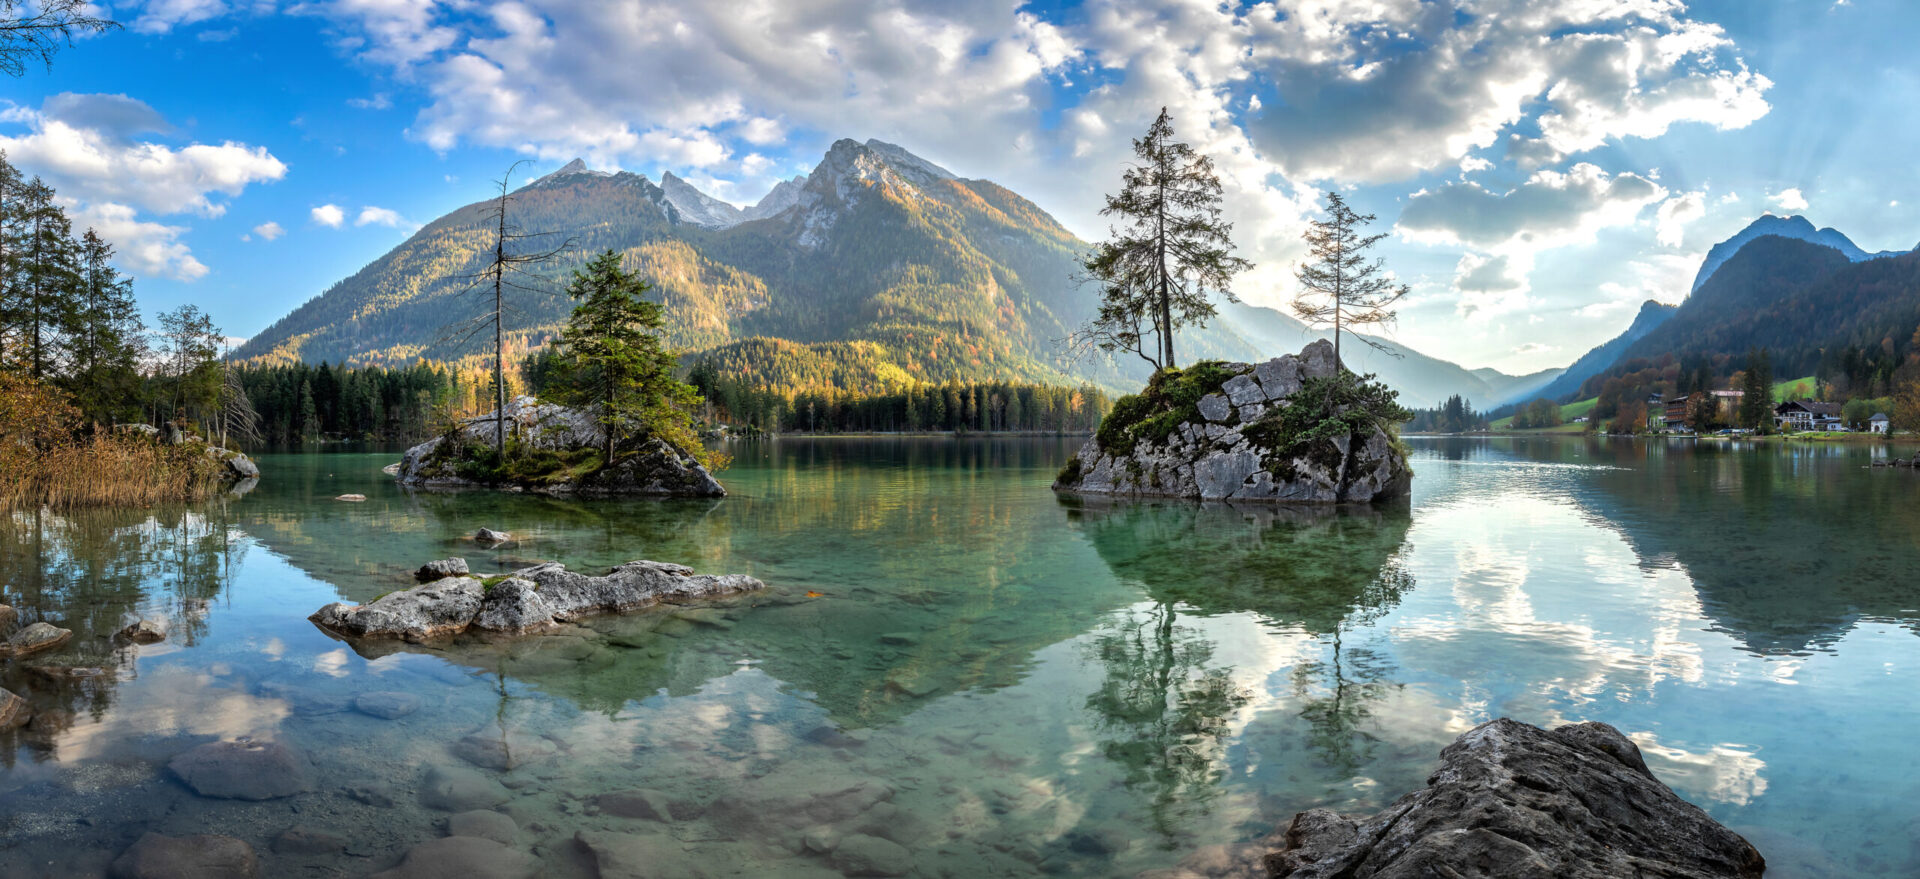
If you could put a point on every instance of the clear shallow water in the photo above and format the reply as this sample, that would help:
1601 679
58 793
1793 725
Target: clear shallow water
1039 687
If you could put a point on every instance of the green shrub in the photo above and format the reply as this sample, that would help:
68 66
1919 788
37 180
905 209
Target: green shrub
1170 399
1322 410
1070 474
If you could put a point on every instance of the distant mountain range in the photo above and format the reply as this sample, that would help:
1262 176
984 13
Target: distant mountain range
1796 227
1782 285
875 269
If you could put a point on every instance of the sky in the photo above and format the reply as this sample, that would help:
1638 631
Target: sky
1540 169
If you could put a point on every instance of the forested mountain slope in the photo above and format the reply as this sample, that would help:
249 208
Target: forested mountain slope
875 270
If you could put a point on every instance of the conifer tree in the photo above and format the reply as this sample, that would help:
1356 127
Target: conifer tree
615 363
1339 287
47 277
104 349
1168 255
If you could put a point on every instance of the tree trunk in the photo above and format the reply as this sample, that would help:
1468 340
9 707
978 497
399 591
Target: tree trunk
499 340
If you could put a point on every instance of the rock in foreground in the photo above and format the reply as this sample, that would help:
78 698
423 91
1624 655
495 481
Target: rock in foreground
188 857
1515 801
655 468
1220 431
530 600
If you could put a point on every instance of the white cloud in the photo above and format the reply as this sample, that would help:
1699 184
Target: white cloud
373 216
1504 232
269 230
82 145
87 147
1530 349
141 246
161 16
1675 213
1789 200
329 215
379 101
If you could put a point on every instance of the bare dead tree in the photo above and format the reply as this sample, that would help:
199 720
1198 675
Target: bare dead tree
504 265
36 30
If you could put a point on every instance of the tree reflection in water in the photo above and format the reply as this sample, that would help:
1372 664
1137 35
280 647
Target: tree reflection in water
1165 704
94 572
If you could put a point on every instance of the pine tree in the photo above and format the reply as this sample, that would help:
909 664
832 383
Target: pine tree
46 281
1339 288
104 349
615 363
1159 268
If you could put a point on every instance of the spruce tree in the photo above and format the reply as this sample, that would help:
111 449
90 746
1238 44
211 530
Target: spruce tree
1339 287
46 280
614 361
104 349
1169 254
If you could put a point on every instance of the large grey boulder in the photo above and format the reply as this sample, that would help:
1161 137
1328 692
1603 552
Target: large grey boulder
1224 451
1518 802
35 638
531 600
656 468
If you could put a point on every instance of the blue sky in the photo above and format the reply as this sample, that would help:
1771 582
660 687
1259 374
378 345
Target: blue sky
1542 167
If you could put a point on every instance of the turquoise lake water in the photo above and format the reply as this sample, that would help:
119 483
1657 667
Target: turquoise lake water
1030 686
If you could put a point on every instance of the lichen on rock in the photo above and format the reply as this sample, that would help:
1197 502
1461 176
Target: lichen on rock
1296 428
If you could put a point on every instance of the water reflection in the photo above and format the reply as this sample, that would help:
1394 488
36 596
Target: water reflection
1166 702
94 572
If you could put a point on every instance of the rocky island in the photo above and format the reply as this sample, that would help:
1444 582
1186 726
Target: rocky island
556 450
1297 428
526 601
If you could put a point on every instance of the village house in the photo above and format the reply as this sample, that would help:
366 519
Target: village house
1879 422
1808 415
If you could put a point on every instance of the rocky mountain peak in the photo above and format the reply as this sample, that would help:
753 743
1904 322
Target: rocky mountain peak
696 207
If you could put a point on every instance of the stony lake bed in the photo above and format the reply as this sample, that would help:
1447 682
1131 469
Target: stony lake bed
952 672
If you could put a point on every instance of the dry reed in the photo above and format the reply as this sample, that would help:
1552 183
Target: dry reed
106 471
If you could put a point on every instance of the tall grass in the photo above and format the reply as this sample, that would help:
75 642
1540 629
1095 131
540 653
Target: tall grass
117 471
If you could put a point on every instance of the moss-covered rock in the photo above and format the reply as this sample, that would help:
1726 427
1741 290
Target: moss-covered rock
1294 429
554 450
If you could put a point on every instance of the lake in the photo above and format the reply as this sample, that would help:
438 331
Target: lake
1002 682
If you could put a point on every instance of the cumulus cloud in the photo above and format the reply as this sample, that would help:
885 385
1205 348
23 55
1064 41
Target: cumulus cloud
141 246
329 215
83 145
1505 231
1789 200
1675 213
374 216
90 147
269 230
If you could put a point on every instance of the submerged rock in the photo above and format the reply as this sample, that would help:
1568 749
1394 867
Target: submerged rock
14 711
488 535
861 855
1513 800
35 638
649 805
387 705
461 857
485 824
187 857
654 468
440 570
453 789
242 770
303 840
533 599
1231 446
351 498
144 632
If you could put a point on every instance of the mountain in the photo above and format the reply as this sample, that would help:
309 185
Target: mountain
875 269
1796 227
1570 382
697 207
